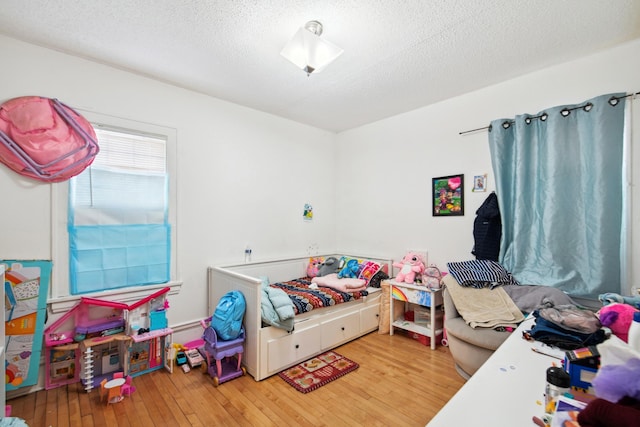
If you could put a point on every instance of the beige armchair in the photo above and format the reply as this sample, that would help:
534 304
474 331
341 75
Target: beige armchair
469 347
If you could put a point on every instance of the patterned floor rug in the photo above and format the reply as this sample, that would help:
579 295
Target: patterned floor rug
314 373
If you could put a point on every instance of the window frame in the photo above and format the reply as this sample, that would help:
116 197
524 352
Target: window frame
60 297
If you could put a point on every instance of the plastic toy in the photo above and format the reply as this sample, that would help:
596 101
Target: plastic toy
194 358
181 358
227 355
412 265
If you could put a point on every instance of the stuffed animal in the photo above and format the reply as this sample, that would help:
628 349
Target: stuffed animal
411 265
618 318
314 266
350 269
330 265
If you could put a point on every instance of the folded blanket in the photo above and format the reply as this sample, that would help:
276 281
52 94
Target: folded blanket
483 307
344 284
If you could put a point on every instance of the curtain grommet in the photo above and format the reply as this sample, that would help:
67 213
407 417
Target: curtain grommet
544 117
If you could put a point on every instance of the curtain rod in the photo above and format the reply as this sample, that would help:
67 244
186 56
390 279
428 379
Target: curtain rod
537 117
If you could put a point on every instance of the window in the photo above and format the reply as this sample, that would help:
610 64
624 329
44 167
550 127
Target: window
119 234
112 224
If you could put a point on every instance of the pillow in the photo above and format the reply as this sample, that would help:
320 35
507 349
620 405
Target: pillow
372 272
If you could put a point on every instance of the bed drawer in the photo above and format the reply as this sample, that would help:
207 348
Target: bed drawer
369 318
340 329
292 348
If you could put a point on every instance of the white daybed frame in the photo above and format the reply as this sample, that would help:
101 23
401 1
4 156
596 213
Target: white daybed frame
268 350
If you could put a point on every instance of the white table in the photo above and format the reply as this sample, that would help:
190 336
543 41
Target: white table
114 383
507 391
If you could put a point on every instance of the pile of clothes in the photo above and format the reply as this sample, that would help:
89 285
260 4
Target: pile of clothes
616 384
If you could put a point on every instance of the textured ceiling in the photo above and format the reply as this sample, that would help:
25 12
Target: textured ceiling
398 55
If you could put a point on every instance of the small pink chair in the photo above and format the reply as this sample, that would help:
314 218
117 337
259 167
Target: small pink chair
128 387
118 375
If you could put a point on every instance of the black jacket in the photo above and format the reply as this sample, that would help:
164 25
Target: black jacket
487 229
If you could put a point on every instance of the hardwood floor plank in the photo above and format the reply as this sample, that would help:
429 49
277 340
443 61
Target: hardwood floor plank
399 382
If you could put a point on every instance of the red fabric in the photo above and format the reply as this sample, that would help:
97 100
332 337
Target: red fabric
602 413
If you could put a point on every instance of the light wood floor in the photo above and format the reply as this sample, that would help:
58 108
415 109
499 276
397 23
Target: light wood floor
399 382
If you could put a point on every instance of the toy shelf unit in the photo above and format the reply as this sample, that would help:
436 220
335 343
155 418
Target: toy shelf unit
62 365
150 335
147 353
427 306
102 357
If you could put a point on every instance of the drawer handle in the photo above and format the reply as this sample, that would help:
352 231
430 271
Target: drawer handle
342 328
297 346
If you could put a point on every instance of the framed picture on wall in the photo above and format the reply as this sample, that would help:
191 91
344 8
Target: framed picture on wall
480 183
448 195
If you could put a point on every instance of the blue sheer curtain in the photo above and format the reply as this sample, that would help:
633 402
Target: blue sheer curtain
559 181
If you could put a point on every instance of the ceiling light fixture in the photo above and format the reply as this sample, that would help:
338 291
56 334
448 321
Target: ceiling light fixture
308 51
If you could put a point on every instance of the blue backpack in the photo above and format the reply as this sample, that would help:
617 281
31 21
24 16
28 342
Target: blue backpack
228 315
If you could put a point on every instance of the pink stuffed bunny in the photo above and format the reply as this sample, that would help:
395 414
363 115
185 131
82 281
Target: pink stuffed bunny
411 265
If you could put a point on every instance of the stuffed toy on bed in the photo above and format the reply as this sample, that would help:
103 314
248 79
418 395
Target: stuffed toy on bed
314 266
330 265
350 269
412 265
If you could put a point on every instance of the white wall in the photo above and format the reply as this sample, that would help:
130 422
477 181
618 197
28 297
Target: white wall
392 161
243 176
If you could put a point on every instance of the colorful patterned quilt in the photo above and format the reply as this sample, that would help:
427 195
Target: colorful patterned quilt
306 299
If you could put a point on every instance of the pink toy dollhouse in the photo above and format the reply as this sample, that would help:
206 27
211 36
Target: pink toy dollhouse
97 337
150 336
90 334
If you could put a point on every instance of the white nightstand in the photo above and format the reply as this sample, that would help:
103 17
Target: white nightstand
421 296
